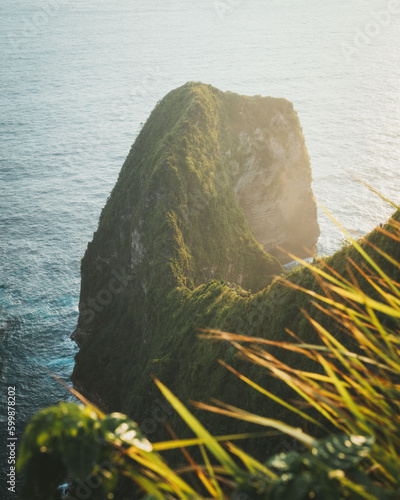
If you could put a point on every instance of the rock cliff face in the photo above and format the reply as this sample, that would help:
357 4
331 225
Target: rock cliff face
273 186
214 182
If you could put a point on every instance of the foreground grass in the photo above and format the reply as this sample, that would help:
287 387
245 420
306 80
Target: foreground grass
353 390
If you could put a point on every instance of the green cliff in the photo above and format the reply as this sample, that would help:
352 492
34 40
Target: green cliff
212 185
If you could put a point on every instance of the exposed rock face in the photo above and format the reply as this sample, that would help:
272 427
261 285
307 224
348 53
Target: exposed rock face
212 184
273 187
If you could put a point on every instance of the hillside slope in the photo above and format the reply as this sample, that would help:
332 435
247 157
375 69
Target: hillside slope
214 182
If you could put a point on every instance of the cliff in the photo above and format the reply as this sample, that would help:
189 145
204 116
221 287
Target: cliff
212 185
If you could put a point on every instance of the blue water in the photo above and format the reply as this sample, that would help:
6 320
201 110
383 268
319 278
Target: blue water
77 79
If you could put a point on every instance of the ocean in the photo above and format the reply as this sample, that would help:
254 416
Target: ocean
77 81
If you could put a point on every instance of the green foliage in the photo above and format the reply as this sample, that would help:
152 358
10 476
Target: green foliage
355 392
64 442
354 380
187 245
326 471
183 356
172 221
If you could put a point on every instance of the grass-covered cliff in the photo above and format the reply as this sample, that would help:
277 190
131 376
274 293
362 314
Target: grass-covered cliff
214 182
349 378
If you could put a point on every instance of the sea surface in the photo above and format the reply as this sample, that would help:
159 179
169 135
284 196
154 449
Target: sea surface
78 79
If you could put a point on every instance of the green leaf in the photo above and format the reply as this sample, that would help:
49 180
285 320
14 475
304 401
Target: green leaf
340 452
118 427
212 444
284 462
293 487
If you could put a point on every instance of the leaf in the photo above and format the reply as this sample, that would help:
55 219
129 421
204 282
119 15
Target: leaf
118 426
232 411
212 444
293 487
285 462
340 452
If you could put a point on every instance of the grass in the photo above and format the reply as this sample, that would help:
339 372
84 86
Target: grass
350 393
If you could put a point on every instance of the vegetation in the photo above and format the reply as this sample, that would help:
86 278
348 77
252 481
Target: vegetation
351 398
173 226
174 254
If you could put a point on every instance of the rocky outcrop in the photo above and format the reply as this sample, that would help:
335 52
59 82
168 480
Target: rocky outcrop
214 182
273 187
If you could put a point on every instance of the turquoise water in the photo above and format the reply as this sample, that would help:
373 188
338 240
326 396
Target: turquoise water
78 79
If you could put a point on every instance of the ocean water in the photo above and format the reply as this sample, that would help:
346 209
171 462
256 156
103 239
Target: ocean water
77 80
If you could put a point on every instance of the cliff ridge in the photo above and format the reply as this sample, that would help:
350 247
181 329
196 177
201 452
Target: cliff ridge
212 185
